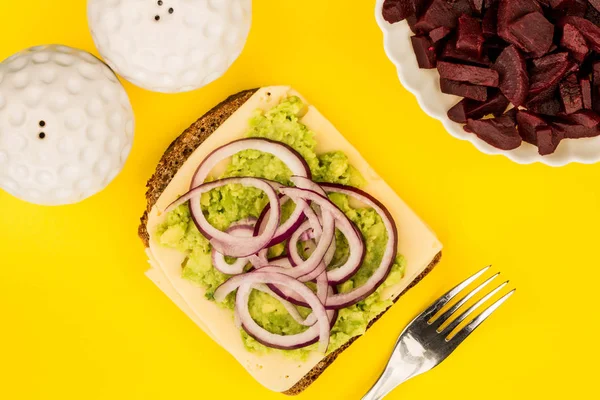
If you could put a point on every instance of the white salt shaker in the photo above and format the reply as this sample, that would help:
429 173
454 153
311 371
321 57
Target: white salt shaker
170 45
66 125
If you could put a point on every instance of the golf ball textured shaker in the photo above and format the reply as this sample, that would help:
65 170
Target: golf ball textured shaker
66 125
170 45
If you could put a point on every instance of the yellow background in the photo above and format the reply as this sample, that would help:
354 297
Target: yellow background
78 319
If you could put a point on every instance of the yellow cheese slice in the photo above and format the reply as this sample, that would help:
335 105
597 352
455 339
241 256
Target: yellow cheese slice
275 371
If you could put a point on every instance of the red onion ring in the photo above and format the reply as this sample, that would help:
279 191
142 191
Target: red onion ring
289 307
285 153
281 261
293 298
342 300
314 261
218 259
243 283
285 230
355 241
310 234
225 243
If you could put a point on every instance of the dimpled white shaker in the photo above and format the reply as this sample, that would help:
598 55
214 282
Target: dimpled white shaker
66 125
170 46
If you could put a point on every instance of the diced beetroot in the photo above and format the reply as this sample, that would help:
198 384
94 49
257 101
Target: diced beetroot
420 6
582 124
544 95
397 10
570 94
559 3
424 51
546 102
590 31
596 86
470 109
499 132
412 23
586 118
569 7
586 92
578 8
512 113
511 10
534 32
535 130
470 38
439 13
505 51
458 112
495 104
493 47
461 6
547 71
573 69
528 123
450 52
462 89
574 41
592 15
468 73
549 106
514 81
488 25
477 6
439 33
547 140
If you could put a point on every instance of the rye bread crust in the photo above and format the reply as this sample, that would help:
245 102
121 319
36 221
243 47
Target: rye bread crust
183 147
174 157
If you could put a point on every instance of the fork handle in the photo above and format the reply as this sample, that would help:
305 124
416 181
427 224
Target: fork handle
390 379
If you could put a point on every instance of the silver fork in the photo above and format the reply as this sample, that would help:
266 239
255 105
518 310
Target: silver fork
424 344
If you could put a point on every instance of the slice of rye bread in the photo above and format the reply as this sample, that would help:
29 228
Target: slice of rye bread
174 157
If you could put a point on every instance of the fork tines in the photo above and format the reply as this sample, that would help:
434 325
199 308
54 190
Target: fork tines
438 322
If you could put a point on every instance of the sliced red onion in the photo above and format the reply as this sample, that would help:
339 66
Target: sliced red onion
355 241
389 255
236 318
292 296
284 231
315 221
308 236
289 156
321 269
323 291
281 261
289 307
225 243
288 295
314 261
218 259
243 283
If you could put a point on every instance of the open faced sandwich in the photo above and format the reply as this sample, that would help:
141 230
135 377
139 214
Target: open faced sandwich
273 234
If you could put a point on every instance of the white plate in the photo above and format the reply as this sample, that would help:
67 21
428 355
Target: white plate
424 84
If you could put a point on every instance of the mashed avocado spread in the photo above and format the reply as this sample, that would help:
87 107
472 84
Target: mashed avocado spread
232 203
